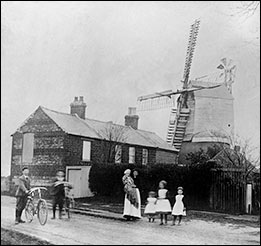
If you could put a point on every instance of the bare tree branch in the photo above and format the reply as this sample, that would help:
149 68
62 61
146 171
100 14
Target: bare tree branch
113 136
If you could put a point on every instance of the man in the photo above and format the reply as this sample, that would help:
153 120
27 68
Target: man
21 194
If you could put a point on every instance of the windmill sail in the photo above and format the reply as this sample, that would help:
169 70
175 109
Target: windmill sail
167 98
155 102
190 50
176 130
164 99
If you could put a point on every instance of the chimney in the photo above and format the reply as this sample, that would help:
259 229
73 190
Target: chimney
132 119
78 107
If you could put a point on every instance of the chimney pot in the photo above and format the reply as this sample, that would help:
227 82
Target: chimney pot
78 107
131 111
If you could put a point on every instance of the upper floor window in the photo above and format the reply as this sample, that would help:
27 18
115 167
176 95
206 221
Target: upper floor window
144 156
86 151
132 155
118 152
28 147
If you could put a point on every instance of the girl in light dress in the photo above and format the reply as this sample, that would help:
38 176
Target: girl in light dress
163 205
150 209
178 208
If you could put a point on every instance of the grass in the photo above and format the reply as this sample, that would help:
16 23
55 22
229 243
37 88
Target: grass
9 237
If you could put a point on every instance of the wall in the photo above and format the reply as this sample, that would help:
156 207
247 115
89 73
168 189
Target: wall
73 146
4 184
212 114
165 157
210 111
48 148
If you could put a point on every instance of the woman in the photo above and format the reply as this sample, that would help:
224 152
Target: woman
132 202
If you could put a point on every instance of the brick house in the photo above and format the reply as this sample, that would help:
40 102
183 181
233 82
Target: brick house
49 141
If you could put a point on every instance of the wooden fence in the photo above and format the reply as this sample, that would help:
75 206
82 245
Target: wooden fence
228 191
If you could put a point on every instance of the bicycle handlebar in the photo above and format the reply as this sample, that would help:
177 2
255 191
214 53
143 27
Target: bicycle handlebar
63 182
36 188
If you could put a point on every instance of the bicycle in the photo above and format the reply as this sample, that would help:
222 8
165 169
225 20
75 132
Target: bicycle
41 208
69 203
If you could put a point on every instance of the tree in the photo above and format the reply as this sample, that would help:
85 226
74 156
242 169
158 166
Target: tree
247 8
237 153
113 139
201 157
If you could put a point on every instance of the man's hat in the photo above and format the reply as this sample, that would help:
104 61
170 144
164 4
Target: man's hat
24 168
180 188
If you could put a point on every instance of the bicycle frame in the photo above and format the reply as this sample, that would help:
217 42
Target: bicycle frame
31 208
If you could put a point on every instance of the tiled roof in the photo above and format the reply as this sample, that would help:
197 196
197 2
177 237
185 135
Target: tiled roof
72 124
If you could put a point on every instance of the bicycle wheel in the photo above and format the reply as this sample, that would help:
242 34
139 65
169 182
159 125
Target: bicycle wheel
42 211
67 207
29 211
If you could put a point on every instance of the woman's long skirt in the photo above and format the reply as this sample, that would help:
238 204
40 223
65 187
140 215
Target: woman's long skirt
130 211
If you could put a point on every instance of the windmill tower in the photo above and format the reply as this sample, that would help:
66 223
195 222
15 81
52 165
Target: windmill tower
202 107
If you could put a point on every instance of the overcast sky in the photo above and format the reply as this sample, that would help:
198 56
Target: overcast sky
113 52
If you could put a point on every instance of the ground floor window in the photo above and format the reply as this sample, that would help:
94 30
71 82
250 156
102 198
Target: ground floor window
144 156
118 153
132 155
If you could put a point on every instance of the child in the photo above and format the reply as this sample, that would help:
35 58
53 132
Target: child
58 193
163 205
178 208
150 208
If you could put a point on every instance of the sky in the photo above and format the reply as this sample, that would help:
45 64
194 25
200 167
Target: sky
113 52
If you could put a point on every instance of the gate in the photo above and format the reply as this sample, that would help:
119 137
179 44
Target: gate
228 190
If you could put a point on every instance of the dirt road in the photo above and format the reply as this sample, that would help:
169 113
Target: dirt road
82 229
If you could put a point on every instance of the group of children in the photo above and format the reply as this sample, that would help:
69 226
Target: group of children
161 205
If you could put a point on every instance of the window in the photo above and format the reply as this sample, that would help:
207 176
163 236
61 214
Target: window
28 147
144 156
131 154
86 151
118 152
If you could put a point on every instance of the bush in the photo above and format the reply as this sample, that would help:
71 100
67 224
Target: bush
106 180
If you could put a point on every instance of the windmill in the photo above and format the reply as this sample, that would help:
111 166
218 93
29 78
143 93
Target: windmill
180 115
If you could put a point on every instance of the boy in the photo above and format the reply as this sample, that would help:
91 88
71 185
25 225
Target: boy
58 192
21 194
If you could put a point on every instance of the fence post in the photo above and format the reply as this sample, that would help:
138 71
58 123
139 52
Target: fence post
249 198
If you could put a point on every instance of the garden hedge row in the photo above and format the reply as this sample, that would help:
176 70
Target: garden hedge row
106 180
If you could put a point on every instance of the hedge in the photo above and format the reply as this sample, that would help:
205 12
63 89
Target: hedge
106 180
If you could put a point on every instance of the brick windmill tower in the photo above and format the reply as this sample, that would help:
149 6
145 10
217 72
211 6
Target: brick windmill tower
204 113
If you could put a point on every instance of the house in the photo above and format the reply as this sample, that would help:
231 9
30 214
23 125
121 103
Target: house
209 118
49 141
